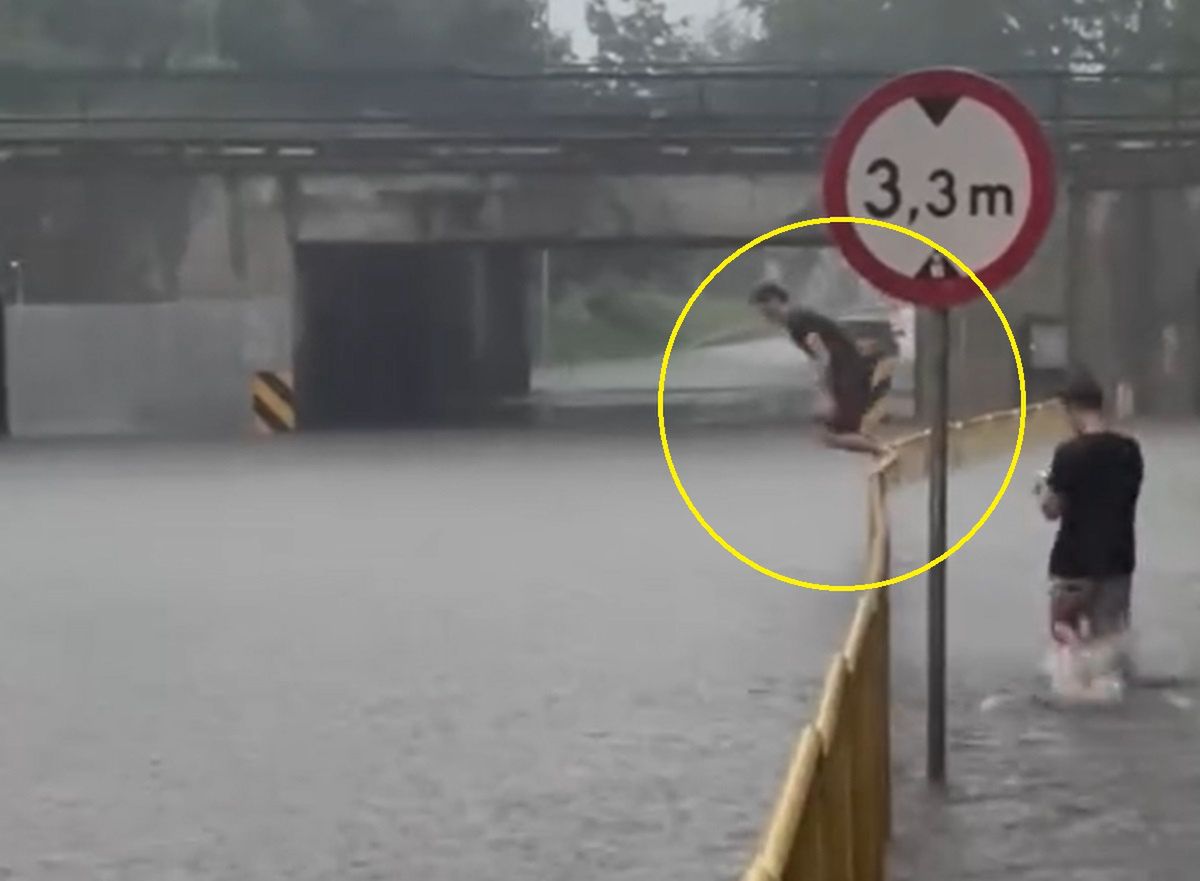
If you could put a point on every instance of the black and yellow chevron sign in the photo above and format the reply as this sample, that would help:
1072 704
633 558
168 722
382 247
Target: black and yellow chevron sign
274 402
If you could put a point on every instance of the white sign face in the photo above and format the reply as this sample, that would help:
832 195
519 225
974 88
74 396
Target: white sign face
965 183
950 155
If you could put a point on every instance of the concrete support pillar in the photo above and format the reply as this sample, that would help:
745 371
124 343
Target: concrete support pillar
506 353
480 302
1175 367
538 308
1077 228
235 207
1135 298
1117 313
4 423
1096 258
1139 315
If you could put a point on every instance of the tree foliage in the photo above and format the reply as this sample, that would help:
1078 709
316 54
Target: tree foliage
637 33
641 33
501 34
506 34
131 32
1003 34
727 36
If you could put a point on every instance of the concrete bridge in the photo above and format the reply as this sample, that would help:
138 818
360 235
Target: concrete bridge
275 198
681 119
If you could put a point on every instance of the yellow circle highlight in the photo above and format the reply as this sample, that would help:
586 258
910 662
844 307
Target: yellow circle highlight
662 422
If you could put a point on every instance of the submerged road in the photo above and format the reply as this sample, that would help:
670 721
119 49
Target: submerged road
489 655
1039 793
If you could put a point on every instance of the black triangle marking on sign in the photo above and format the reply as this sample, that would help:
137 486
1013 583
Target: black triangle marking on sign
937 267
938 107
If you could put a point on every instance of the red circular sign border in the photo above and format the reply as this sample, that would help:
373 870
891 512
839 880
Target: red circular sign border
923 83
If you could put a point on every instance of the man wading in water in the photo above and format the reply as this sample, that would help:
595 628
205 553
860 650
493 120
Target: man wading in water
846 372
1092 490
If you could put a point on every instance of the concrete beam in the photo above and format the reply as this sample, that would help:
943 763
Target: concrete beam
556 209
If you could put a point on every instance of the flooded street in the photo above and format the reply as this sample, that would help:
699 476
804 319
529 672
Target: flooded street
480 654
1039 792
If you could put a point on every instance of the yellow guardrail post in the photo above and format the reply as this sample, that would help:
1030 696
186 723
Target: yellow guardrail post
879 564
811 856
779 850
862 739
835 794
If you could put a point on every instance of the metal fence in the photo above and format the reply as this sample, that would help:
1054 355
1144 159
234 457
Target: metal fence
832 821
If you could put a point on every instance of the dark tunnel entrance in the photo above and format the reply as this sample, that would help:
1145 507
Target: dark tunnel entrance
394 335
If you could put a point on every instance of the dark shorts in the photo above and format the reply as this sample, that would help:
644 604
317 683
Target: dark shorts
850 388
1102 602
855 391
847 418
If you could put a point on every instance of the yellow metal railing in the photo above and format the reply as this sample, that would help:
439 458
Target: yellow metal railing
833 818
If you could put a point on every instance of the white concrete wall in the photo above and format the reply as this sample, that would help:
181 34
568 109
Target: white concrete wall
140 369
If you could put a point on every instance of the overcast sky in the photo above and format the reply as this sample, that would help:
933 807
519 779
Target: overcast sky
566 16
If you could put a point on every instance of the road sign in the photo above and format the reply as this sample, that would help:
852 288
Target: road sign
957 157
950 154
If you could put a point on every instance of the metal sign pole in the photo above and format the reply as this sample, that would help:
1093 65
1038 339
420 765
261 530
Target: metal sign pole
1008 206
938 479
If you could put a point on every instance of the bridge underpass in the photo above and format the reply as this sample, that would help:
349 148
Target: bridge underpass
250 178
348 279
392 334
444 267
223 262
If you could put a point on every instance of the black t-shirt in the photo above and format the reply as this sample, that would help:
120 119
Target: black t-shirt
849 377
1098 478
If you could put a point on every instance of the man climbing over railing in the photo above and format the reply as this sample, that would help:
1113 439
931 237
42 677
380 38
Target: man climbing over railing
847 372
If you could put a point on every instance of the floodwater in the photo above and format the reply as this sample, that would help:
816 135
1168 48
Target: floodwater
1040 792
483 654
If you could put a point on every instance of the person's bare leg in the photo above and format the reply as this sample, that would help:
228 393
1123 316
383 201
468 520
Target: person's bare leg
855 443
